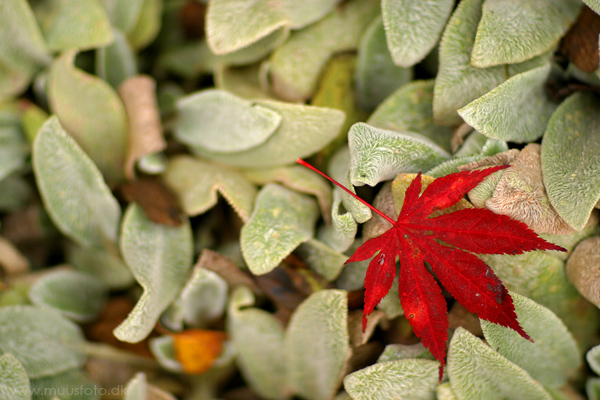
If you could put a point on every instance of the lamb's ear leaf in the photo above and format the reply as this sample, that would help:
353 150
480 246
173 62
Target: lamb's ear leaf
139 389
552 355
339 169
13 144
316 344
160 257
570 162
147 25
71 381
444 392
511 32
14 383
123 14
106 267
593 359
476 370
322 259
593 4
413 27
116 62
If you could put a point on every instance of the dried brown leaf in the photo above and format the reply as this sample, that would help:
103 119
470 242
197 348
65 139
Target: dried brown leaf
226 269
158 202
460 316
356 334
384 202
458 136
12 261
580 44
505 158
583 269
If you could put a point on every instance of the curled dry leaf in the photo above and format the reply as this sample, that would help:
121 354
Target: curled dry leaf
226 269
521 195
504 158
158 202
580 44
197 349
583 269
138 94
458 136
384 202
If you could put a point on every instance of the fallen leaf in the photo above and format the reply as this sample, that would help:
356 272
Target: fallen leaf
580 44
583 269
413 238
158 202
197 349
226 269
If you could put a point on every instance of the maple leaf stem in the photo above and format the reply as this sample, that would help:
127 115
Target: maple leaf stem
382 215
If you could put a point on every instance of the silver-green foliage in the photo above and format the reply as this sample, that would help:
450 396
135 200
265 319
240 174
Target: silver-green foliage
14 383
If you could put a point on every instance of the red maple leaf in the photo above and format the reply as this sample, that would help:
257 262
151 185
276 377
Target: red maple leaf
412 239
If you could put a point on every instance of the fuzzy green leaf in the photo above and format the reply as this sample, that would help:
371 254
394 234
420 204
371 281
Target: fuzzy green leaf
512 31
218 121
413 27
76 295
148 24
316 344
570 162
304 130
342 231
593 359
123 14
13 146
377 155
339 169
14 383
282 219
551 357
322 259
478 372
593 4
15 193
108 268
518 110
139 389
444 392
72 188
45 342
116 62
197 182
71 385
159 257
403 379
91 111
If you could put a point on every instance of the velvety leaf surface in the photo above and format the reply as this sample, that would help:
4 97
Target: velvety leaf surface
43 341
478 372
570 162
259 339
303 13
316 344
72 188
218 121
583 268
159 257
123 14
409 378
14 193
444 392
139 389
197 182
339 168
518 110
593 359
342 231
376 74
116 62
75 385
14 383
551 357
147 25
282 219
98 124
303 131
413 27
322 259
13 146
76 295
593 4
377 154
100 263
512 31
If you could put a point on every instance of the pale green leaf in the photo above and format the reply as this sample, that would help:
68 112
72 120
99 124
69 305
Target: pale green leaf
512 31
410 108
245 82
340 234
258 337
14 383
75 24
444 392
282 219
592 386
72 188
15 193
107 267
218 121
303 13
116 62
316 344
139 389
403 379
322 259
395 352
593 4
148 24
160 257
197 182
163 350
593 359
478 372
91 111
123 14
551 357
413 27
296 66
569 241
76 295
377 155
13 146
33 119
518 110
70 385
570 162
376 74
304 130
390 304
339 169
45 342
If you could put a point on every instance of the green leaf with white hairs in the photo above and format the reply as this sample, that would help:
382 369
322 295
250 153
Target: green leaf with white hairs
139 389
71 385
342 231
45 342
444 392
592 388
376 74
553 355
593 359
593 4
518 110
163 350
116 62
78 296
513 31
123 14
413 27
478 372
74 193
316 344
13 146
322 259
258 337
101 263
148 24
402 379
197 182
410 108
15 193
570 162
303 131
339 169
282 219
14 383
160 257
377 154
92 112
218 121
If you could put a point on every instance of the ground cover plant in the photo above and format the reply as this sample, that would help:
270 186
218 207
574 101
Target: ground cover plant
158 239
